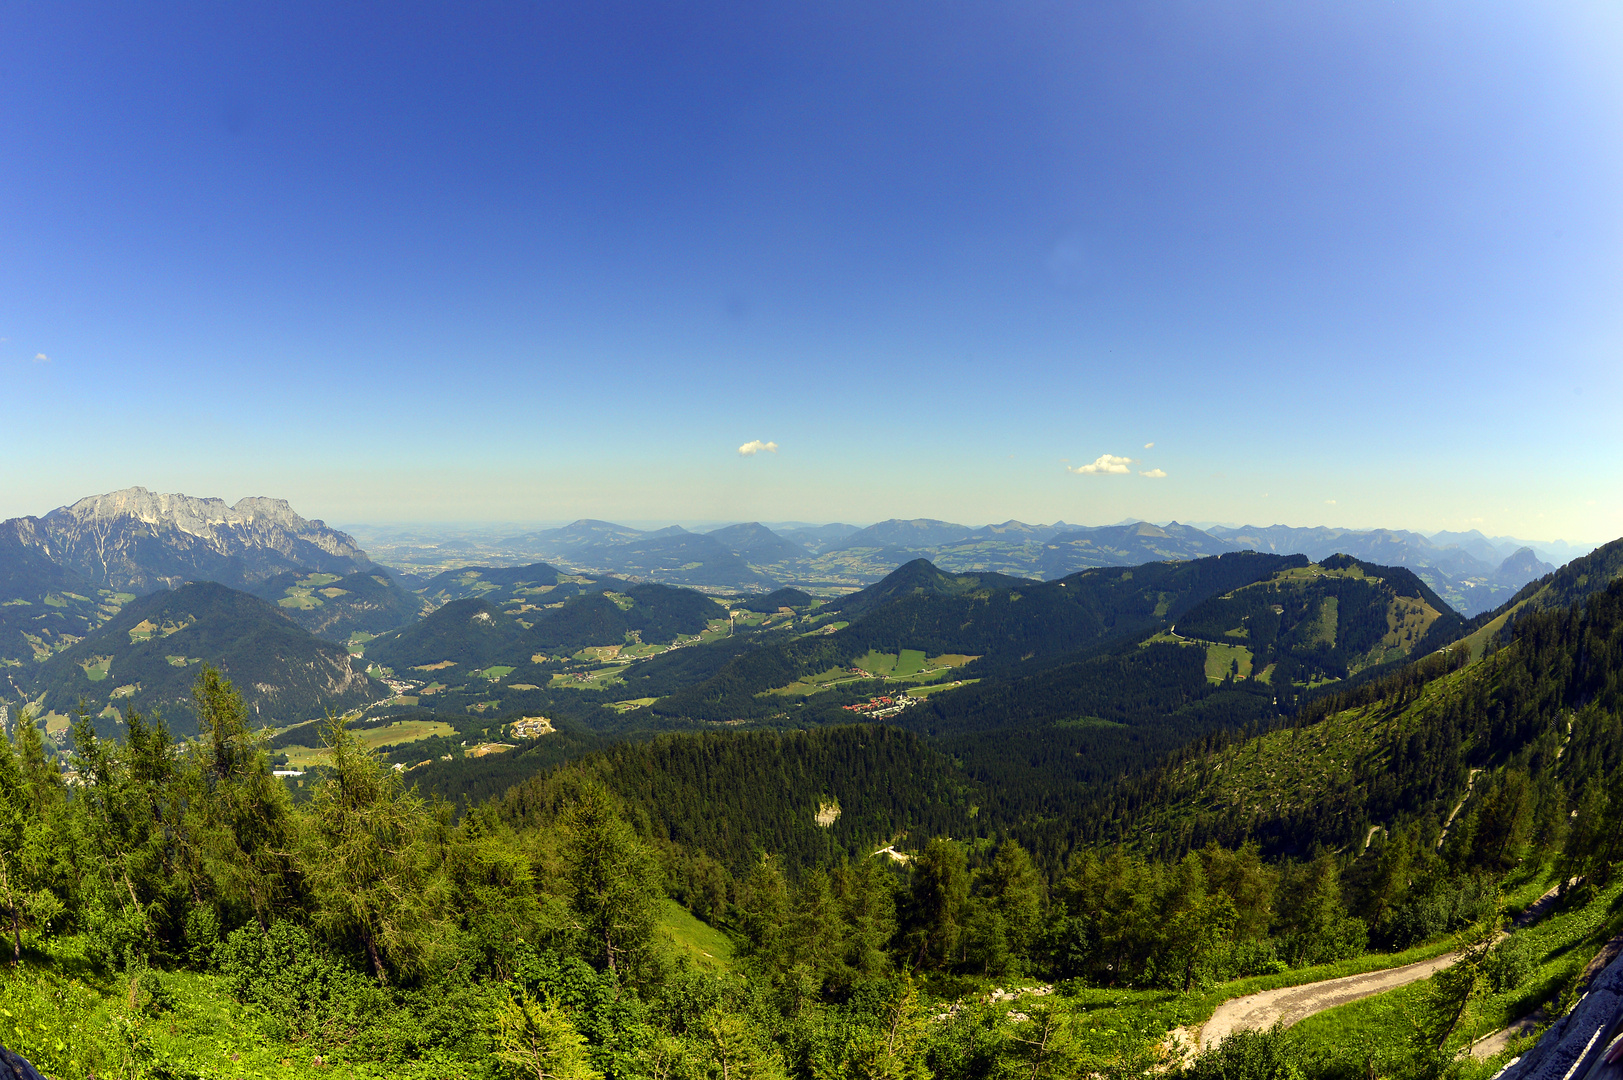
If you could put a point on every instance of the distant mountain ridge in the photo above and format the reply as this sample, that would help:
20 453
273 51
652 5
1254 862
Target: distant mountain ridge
66 573
1471 572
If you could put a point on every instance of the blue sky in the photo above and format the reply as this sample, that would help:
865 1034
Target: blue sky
1341 264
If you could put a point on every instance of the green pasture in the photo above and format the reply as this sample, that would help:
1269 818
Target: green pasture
938 687
96 667
401 731
1220 661
1084 722
600 679
876 663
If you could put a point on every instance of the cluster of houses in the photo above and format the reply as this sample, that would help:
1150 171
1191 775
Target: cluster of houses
882 706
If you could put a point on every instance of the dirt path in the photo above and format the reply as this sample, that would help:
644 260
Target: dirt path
1292 1003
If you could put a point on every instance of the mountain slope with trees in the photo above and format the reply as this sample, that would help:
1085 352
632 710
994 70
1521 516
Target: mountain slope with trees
148 655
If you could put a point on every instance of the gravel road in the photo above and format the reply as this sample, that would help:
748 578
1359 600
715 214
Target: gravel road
1293 1003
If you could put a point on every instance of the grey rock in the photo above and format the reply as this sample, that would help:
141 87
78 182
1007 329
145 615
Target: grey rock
1573 1046
138 541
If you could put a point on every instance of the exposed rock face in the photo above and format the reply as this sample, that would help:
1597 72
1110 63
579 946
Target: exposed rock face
1586 1043
138 541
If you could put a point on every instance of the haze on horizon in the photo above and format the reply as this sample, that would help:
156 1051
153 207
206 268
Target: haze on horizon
1303 264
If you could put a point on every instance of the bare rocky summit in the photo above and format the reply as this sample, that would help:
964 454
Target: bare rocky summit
139 541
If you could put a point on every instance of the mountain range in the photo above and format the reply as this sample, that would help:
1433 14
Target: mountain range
1470 571
303 602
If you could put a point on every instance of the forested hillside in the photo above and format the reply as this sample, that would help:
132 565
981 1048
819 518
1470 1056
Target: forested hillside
363 925
148 655
998 619
338 608
737 797
1540 715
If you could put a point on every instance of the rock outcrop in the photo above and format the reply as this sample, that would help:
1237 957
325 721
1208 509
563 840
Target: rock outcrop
1587 1043
138 541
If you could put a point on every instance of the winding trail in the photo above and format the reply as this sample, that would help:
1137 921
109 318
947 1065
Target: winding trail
1290 1004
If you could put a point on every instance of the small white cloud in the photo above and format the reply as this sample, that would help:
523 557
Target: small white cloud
1149 446
755 446
1106 463
1153 474
1329 502
41 358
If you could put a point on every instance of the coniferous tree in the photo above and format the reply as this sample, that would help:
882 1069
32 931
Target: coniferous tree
614 881
366 861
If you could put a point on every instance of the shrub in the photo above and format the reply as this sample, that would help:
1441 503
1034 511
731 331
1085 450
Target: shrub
1249 1054
301 989
1510 963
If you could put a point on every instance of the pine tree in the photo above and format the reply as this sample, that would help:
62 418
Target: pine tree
614 881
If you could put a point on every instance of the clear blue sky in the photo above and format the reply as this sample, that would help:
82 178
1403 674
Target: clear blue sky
1352 264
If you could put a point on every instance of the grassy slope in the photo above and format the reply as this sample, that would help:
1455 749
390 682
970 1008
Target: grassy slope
706 946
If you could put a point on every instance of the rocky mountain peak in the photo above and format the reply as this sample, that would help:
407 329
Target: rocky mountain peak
141 540
185 512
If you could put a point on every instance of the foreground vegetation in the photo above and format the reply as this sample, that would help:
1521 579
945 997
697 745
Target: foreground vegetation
669 908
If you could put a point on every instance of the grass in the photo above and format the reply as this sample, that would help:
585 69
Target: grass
598 653
96 667
1084 722
707 946
496 671
936 688
73 1022
1220 661
401 731
876 663
910 662
601 679
1110 1014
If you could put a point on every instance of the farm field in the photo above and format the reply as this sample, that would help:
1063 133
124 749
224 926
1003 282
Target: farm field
401 731
599 679
936 688
908 666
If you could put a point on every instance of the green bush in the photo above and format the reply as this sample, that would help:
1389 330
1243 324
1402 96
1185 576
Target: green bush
1511 963
301 990
1249 1054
